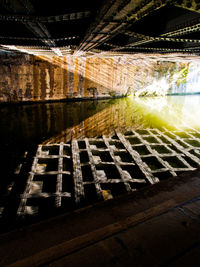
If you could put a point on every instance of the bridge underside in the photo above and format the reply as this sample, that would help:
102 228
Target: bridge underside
101 28
70 50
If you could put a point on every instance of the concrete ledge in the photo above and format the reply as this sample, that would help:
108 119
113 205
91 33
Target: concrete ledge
67 100
53 239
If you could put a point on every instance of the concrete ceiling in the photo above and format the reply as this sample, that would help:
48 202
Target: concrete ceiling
90 27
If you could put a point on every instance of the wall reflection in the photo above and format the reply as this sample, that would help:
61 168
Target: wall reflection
23 127
121 114
171 112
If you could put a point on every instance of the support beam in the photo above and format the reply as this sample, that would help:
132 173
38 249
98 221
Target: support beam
48 19
39 39
183 29
192 5
39 29
148 39
160 50
114 17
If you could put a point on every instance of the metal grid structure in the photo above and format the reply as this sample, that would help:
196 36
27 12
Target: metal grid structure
91 169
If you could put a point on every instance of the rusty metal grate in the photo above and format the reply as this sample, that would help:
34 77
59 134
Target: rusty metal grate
92 169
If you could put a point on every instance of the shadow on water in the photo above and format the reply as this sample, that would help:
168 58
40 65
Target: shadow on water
23 127
171 112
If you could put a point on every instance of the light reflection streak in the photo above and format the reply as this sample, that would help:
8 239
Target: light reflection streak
178 111
172 112
159 87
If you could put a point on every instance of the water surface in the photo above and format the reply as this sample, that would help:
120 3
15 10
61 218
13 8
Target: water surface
23 127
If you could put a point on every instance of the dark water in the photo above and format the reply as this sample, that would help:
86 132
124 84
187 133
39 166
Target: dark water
23 127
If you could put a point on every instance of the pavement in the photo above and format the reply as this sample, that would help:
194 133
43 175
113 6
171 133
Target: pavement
155 226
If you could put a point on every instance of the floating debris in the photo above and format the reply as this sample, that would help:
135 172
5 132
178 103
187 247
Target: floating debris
44 153
30 210
107 194
25 154
18 169
40 168
1 211
10 186
36 187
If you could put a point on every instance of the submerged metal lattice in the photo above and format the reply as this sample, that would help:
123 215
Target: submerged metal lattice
91 169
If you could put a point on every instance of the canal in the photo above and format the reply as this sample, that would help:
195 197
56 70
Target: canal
25 127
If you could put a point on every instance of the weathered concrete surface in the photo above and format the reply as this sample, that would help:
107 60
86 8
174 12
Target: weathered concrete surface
31 78
34 78
157 226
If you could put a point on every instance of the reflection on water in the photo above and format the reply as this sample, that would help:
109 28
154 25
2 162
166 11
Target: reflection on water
171 112
24 127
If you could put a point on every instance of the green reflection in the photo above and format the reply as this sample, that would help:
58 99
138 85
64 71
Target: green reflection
24 127
172 112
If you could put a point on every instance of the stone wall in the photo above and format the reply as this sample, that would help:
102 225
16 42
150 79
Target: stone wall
34 78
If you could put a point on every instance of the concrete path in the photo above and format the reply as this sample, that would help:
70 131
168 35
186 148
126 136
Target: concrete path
156 226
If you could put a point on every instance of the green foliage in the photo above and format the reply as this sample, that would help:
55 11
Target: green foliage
182 76
112 93
149 93
128 92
